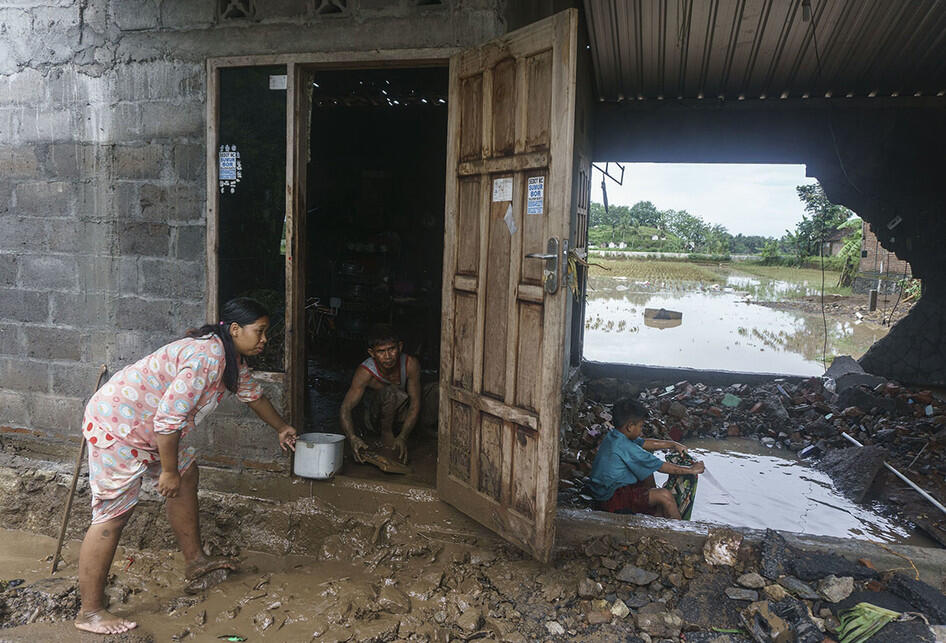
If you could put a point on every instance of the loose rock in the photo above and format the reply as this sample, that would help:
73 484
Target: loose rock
834 589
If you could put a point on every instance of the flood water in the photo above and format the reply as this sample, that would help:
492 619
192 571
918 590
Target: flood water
721 328
750 485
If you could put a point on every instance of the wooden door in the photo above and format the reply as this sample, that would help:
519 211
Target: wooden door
509 191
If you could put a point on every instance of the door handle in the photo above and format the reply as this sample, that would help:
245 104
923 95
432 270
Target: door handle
550 272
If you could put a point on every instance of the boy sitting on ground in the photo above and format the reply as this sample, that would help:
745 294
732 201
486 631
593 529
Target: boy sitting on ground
622 476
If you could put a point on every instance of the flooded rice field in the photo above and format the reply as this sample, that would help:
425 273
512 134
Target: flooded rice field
749 485
722 326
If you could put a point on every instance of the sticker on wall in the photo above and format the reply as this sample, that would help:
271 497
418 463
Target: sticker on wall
502 189
536 191
230 170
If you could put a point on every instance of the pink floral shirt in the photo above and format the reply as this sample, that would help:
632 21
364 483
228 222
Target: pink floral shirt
170 390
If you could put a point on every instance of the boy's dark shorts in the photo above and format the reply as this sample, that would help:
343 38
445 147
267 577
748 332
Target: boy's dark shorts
631 499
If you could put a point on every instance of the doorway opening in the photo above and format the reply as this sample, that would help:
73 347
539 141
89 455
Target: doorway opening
374 239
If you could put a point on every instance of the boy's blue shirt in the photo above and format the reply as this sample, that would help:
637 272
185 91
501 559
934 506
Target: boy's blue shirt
620 462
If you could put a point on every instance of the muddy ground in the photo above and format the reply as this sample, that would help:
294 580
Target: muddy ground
381 580
337 561
849 308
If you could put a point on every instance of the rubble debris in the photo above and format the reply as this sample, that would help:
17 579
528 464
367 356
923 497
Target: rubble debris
834 589
804 416
854 469
722 547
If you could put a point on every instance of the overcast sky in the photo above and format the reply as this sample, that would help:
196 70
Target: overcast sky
751 199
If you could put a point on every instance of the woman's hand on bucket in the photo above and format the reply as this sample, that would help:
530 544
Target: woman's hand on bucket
287 438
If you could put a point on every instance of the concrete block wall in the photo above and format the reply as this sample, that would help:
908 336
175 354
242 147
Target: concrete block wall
102 198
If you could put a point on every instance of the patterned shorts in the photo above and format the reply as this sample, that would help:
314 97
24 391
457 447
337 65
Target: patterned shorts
116 473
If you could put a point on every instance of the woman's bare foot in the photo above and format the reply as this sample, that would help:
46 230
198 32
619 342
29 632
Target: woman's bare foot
201 566
103 622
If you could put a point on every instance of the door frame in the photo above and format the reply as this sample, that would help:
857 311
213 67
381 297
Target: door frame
297 134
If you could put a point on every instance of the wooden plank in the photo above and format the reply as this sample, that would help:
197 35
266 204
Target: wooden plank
510 354
514 527
535 236
524 481
468 226
471 118
531 293
497 300
480 334
504 96
466 283
213 195
489 480
297 148
529 351
495 407
463 340
461 440
448 313
539 101
505 164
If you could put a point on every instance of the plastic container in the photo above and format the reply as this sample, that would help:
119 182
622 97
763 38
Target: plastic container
318 455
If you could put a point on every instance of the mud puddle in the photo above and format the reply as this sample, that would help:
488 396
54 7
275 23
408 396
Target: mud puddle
750 485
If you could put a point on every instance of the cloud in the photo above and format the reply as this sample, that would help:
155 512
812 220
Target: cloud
746 198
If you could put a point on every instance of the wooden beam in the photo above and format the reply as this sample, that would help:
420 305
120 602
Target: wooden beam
211 296
505 164
380 58
494 407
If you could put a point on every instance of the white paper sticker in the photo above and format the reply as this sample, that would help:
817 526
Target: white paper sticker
277 82
510 221
502 189
536 199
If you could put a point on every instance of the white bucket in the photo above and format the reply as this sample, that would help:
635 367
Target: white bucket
318 455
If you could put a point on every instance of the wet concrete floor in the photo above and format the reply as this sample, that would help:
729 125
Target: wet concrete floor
750 485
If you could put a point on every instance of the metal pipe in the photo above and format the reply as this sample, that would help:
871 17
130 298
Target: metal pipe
903 477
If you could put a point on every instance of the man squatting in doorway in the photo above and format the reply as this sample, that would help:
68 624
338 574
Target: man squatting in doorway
388 384
622 476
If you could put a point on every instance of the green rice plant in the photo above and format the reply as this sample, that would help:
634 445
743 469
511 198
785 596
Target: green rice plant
863 621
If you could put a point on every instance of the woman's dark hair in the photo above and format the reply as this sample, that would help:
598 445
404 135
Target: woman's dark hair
627 410
243 311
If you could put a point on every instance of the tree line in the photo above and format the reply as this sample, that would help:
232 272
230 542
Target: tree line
643 226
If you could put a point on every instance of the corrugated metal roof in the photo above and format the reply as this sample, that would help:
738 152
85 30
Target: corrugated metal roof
751 49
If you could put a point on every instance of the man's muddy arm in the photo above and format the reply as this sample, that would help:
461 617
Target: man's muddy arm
355 392
413 393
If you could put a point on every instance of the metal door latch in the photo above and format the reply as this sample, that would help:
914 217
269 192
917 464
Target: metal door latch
550 272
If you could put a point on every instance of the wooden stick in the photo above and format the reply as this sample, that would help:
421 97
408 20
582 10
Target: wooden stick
75 481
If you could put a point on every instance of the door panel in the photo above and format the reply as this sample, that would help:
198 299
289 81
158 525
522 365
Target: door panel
511 119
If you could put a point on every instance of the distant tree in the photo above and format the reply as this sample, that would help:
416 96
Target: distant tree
824 217
645 213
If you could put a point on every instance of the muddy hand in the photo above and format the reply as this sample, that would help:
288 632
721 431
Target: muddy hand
698 467
358 449
168 483
400 447
287 439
